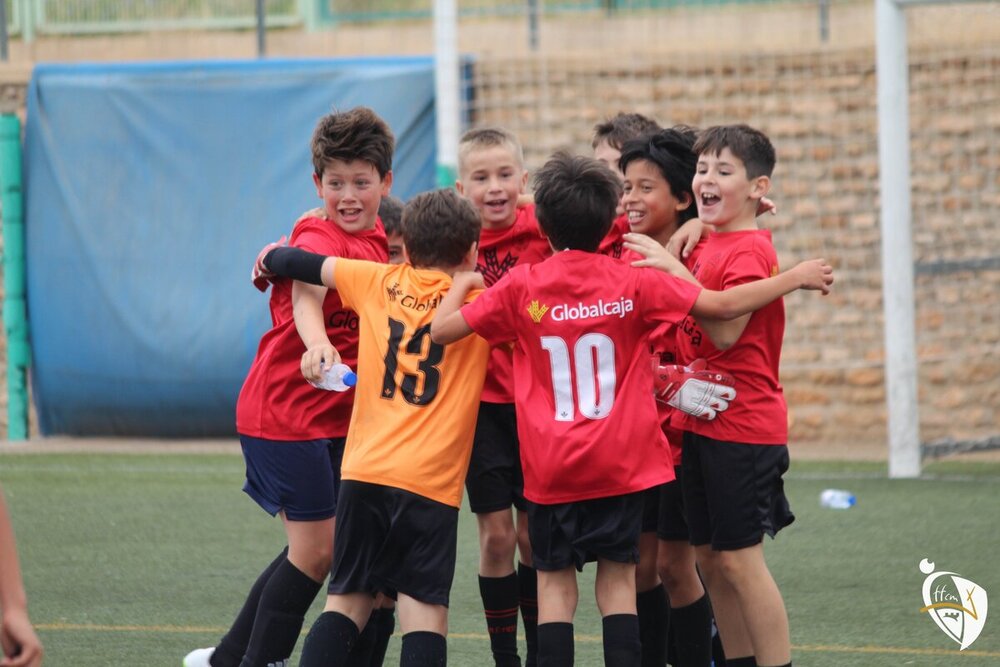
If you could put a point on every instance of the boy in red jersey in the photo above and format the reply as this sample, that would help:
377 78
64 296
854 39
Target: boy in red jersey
733 491
658 200
292 433
492 176
408 449
609 137
580 322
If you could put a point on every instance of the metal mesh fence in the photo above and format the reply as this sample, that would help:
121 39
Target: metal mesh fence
803 72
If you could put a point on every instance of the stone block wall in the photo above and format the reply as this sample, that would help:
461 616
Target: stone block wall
819 108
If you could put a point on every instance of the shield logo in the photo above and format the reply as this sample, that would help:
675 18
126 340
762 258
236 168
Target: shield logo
957 605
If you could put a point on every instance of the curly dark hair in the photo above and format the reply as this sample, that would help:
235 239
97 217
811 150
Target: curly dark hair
356 134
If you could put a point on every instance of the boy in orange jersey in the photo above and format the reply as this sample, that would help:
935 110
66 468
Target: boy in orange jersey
492 176
292 434
580 322
408 449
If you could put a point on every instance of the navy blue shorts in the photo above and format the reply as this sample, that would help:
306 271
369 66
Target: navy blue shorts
583 531
733 492
494 481
301 478
392 541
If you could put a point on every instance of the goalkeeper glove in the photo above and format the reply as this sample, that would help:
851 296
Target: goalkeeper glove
260 276
693 389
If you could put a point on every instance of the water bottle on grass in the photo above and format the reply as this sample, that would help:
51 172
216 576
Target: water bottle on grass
837 499
338 377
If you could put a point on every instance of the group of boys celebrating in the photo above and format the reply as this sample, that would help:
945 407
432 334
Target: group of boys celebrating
513 353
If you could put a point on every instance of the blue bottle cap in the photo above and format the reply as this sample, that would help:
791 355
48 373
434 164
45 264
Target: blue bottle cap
350 378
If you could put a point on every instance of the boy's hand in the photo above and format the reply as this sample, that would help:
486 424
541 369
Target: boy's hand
317 360
766 206
656 255
684 240
312 213
260 275
814 274
468 280
693 389
19 642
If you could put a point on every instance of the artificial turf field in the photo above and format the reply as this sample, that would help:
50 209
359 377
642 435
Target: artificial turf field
135 558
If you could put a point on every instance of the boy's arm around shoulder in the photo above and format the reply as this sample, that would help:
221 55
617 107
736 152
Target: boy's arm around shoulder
301 265
732 305
723 315
449 324
734 302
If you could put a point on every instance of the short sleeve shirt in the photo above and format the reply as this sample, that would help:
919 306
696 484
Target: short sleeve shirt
416 402
276 402
500 250
583 378
759 414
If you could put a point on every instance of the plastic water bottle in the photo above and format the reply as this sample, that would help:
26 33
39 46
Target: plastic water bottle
338 377
837 499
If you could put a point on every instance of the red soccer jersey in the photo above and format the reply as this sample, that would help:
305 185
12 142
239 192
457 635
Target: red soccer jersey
499 251
663 345
276 402
585 410
613 244
758 414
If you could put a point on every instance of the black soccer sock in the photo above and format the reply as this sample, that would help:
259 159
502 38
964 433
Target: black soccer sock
330 640
385 623
230 649
500 604
555 645
369 650
746 661
654 613
621 641
692 625
423 649
361 652
283 604
527 583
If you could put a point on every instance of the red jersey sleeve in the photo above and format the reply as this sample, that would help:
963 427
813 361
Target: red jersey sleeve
490 314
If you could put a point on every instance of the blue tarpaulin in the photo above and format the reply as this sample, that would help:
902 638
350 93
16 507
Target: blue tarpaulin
149 189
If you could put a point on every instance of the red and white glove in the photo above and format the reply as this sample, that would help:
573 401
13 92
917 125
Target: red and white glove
260 276
694 389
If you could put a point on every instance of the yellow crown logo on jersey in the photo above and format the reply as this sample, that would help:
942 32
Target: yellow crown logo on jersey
537 312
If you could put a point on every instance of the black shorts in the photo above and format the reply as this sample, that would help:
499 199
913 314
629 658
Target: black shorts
651 508
733 492
392 541
494 481
672 526
581 532
299 478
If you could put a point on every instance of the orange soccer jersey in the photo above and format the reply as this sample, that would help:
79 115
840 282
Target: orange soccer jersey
416 402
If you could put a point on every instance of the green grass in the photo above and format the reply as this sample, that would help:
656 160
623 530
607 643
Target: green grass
133 559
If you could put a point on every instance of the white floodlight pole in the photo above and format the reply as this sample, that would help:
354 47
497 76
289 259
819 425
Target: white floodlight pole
892 70
446 90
